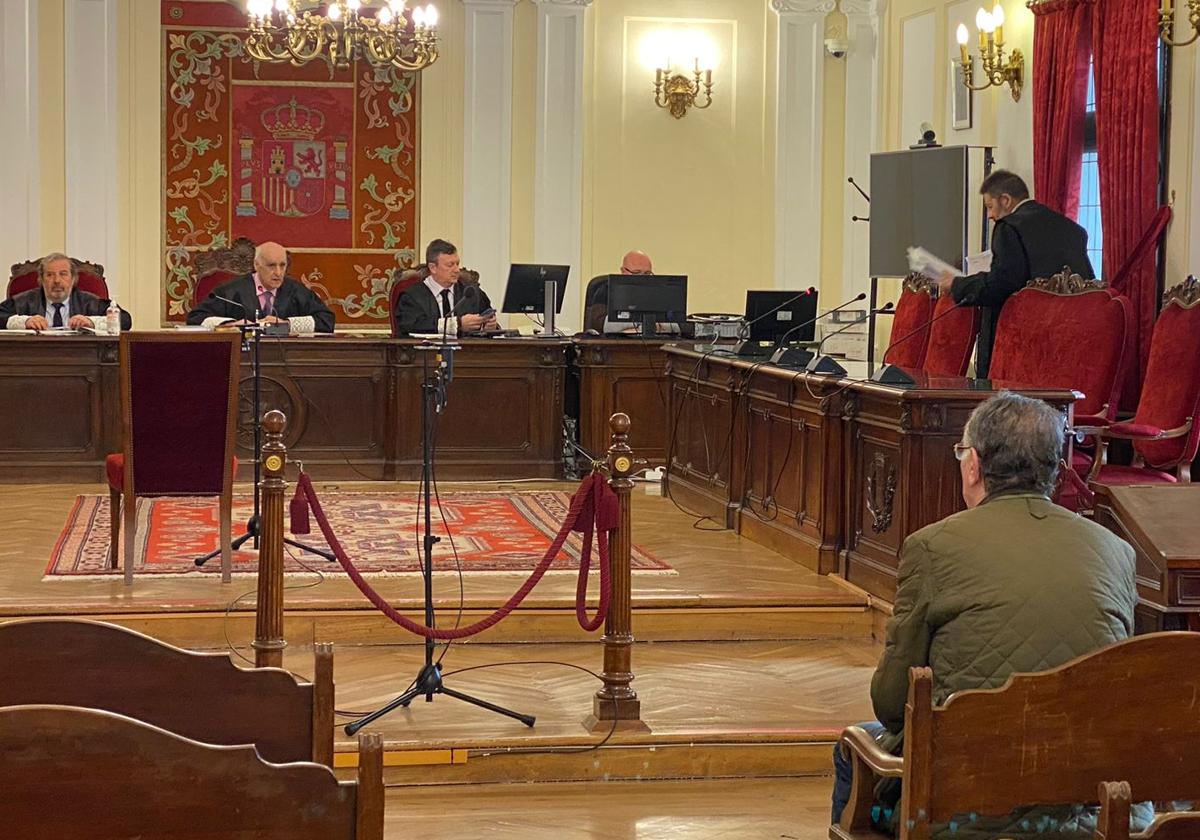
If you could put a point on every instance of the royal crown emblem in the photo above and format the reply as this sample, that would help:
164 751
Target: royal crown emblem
291 121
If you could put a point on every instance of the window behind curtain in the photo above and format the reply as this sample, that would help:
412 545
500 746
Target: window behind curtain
1089 182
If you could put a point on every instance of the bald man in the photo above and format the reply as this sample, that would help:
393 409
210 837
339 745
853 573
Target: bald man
596 297
267 296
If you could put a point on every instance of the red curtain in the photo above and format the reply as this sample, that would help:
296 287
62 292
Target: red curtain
1062 36
1125 47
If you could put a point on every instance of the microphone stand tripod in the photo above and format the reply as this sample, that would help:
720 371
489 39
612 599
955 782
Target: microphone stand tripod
251 334
429 680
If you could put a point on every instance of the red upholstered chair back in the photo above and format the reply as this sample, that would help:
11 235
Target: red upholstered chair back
1065 332
951 338
220 265
179 427
408 277
909 339
1171 389
24 276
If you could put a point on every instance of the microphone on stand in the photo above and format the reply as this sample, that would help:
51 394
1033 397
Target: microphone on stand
745 347
829 366
798 357
245 312
890 374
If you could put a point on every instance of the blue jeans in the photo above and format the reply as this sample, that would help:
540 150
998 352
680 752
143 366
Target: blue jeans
843 770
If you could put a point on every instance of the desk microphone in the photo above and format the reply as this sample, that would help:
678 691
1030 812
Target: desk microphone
890 374
245 312
750 348
798 357
827 365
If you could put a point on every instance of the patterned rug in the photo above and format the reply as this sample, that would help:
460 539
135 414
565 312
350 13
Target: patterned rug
381 532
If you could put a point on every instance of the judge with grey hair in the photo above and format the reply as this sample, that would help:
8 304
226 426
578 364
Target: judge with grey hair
57 302
267 296
1014 583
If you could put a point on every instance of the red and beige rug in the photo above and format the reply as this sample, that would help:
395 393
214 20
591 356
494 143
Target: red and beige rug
381 532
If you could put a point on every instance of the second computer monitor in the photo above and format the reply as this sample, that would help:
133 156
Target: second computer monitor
526 289
772 314
647 299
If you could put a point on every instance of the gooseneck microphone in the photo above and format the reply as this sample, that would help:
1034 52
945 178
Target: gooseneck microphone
245 312
827 365
890 374
798 357
746 347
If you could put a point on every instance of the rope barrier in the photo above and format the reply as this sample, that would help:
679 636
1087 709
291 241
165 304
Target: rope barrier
593 509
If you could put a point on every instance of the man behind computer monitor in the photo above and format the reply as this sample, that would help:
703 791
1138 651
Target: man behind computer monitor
596 310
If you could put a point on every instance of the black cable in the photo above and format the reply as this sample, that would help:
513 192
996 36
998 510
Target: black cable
698 517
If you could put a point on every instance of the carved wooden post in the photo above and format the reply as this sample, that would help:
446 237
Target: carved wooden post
268 627
617 699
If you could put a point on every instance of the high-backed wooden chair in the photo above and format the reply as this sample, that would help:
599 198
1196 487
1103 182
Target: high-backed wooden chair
72 772
1065 332
408 278
1165 430
24 276
202 696
1113 824
910 325
179 408
220 265
952 337
1126 711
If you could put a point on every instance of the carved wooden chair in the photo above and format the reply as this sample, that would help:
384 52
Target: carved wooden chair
72 772
910 325
1113 824
178 429
408 278
220 265
24 276
1125 711
1065 332
1165 430
203 696
951 338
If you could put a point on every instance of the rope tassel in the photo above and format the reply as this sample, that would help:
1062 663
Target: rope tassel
298 513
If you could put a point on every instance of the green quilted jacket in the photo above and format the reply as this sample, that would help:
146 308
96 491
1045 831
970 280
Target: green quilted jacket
1015 584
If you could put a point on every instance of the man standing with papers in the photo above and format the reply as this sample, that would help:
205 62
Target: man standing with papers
1029 240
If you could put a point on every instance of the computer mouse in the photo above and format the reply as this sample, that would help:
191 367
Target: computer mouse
591 332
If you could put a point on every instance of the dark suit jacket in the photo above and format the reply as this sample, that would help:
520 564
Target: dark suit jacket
1032 241
292 299
33 302
418 310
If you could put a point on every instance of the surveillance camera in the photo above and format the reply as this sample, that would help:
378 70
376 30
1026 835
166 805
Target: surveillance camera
837 47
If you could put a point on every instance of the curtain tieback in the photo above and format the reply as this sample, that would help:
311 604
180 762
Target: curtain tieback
1149 239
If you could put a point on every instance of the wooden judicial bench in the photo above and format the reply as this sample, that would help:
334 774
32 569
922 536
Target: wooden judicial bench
622 374
835 471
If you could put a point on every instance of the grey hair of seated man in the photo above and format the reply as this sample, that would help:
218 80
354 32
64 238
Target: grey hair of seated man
45 262
1019 442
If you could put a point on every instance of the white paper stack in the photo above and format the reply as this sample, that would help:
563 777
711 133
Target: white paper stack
923 262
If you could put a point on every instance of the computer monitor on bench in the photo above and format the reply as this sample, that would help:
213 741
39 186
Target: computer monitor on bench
647 299
530 289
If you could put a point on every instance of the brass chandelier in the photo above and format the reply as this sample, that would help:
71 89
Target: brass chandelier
297 32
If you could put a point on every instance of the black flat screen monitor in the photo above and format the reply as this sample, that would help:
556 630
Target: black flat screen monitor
918 198
526 289
771 314
647 299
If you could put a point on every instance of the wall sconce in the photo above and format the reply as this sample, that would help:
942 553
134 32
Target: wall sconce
997 70
1166 22
677 92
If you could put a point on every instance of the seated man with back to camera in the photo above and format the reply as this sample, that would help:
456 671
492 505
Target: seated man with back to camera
634 263
1015 583
439 304
267 296
56 303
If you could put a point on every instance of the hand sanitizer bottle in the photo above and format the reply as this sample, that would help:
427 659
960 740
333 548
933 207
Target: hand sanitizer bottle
112 319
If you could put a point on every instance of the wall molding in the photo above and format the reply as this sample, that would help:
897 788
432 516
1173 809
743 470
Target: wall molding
90 49
487 140
798 140
20 184
863 85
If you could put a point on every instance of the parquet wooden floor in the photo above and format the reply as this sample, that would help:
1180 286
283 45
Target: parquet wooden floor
741 809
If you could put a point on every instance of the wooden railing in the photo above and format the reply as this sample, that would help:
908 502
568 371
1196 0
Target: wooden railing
268 624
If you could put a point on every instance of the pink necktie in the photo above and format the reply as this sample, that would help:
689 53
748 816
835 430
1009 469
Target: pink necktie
266 302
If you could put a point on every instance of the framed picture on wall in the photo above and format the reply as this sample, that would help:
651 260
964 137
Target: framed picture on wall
962 98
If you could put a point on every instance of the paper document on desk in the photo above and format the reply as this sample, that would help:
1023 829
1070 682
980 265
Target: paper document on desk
921 261
979 262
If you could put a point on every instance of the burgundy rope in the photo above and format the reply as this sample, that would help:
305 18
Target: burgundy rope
591 486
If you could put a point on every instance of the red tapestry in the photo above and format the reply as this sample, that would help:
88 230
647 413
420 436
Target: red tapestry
323 161
381 532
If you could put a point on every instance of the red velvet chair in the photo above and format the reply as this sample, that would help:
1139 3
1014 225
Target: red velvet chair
220 265
24 276
1065 332
914 310
951 338
178 431
1165 430
406 278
